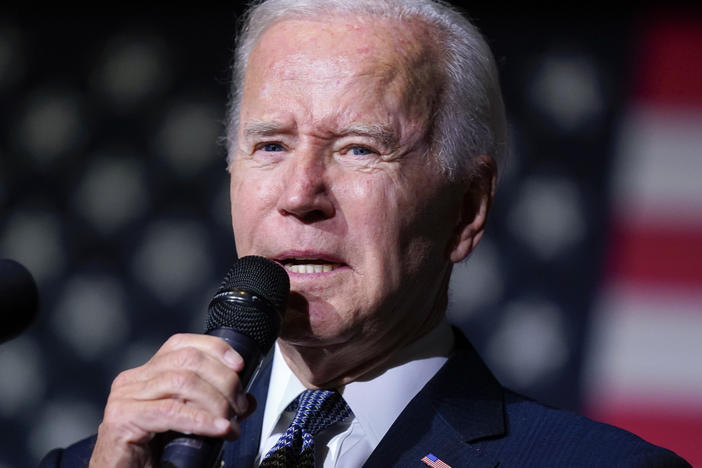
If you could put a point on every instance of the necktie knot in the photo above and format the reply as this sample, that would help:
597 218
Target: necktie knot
319 409
315 410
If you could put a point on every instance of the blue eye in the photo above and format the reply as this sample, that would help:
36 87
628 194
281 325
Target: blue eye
271 147
361 151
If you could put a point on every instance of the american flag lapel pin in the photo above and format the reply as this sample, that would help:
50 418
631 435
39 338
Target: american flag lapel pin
434 461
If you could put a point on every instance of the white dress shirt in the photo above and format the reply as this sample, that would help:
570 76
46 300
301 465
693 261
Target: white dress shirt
375 403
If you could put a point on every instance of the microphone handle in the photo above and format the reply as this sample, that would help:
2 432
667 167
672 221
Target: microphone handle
190 451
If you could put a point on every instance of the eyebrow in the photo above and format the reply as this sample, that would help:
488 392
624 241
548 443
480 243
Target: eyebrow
378 132
382 134
262 128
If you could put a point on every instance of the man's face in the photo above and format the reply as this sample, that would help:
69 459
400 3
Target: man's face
332 178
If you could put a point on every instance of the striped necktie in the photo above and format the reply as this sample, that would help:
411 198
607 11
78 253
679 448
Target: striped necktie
316 410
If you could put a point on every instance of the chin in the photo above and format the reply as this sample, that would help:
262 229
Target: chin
312 323
303 330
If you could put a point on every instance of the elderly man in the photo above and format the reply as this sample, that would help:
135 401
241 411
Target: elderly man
364 144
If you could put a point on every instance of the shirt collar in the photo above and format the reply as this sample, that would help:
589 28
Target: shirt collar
376 403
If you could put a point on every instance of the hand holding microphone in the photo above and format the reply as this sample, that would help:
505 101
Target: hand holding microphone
195 384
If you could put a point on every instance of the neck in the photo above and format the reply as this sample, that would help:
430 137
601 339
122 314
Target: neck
362 359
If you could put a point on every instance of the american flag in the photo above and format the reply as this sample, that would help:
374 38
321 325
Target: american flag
643 368
432 460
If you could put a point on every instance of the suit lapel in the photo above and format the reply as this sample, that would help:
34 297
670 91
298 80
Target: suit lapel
243 451
461 404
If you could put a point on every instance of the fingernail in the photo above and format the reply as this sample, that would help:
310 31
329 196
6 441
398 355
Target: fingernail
242 402
221 424
233 360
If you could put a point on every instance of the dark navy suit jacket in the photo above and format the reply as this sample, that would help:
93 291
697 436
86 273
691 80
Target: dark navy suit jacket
467 419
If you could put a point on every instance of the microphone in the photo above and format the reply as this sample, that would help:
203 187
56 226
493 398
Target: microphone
18 299
246 312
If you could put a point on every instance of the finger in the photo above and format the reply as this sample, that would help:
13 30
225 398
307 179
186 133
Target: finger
252 405
138 421
212 345
192 352
209 368
189 387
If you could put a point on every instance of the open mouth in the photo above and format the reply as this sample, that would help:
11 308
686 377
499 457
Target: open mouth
308 265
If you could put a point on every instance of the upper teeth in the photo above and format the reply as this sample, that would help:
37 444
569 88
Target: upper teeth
310 268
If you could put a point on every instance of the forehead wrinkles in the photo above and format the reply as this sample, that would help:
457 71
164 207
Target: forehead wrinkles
334 42
326 68
382 55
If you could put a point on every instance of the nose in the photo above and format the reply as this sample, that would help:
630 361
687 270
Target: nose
305 193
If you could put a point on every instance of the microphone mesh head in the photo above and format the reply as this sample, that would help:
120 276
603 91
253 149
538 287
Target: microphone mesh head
259 319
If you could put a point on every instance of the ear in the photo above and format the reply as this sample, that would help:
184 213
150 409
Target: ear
477 199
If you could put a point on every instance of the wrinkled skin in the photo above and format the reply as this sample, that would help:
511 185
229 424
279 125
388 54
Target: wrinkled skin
190 385
333 165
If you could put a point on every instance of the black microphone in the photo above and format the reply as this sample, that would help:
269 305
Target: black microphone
18 299
246 312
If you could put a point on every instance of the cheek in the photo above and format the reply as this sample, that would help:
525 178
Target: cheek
373 213
370 202
249 197
413 223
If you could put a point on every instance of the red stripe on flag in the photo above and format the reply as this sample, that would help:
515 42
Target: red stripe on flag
674 430
670 59
656 256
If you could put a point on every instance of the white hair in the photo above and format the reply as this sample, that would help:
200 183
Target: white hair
469 118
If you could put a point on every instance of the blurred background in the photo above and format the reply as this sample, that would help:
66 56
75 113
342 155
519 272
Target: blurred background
586 292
